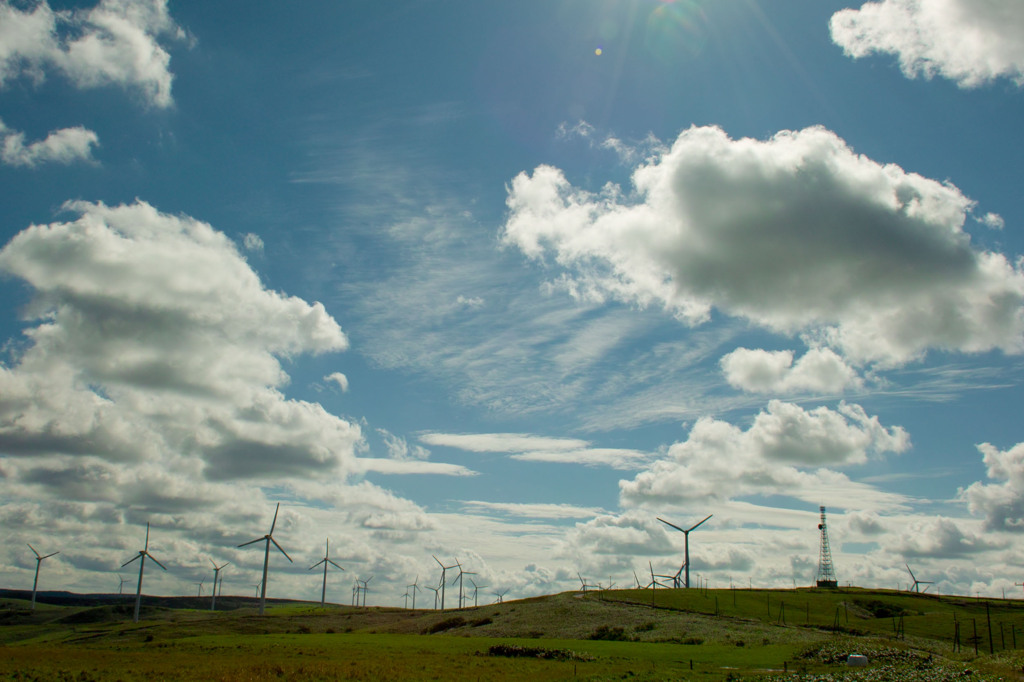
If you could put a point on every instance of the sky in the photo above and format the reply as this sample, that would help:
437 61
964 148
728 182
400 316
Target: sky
503 283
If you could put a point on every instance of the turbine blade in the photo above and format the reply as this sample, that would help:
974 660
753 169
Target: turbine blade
33 550
214 563
438 561
274 523
334 564
147 536
314 565
48 555
671 524
699 522
131 560
254 541
279 547
157 562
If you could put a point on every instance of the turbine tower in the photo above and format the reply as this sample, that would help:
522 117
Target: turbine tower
444 572
826 573
39 560
326 560
143 553
216 573
686 542
268 538
414 587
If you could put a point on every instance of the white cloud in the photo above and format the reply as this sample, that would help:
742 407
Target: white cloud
398 447
410 466
535 510
252 242
939 538
820 370
540 449
617 458
60 146
155 342
795 233
113 43
339 379
469 302
968 41
784 452
500 442
1002 501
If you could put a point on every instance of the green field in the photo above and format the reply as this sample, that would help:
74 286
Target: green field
621 634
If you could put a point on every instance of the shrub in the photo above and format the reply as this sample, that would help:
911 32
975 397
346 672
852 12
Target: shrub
456 622
606 633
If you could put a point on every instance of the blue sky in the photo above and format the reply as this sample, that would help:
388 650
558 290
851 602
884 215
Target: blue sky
507 281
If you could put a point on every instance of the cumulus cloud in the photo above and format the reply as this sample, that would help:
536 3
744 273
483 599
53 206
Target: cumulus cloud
113 43
786 451
1002 501
795 233
154 341
939 538
820 370
966 41
60 146
339 379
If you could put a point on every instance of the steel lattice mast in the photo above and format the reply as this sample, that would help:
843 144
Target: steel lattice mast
826 573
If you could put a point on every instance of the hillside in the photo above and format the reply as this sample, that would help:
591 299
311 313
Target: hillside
754 633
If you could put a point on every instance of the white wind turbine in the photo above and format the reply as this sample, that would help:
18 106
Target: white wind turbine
39 560
216 573
268 538
326 560
141 556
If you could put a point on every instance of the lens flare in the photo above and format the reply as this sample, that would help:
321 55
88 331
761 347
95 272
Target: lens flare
676 29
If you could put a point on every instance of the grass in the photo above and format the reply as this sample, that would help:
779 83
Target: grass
710 635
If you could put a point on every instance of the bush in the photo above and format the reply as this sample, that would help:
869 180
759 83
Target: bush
516 651
646 627
481 621
611 634
451 623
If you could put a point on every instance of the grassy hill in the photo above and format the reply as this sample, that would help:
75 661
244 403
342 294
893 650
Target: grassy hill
620 634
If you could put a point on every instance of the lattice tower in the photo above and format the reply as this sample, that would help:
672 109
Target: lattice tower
826 573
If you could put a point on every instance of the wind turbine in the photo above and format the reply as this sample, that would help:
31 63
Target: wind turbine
120 588
444 571
268 538
216 573
436 591
476 589
500 596
326 560
200 584
584 584
143 553
365 588
686 541
39 560
459 578
916 587
414 587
